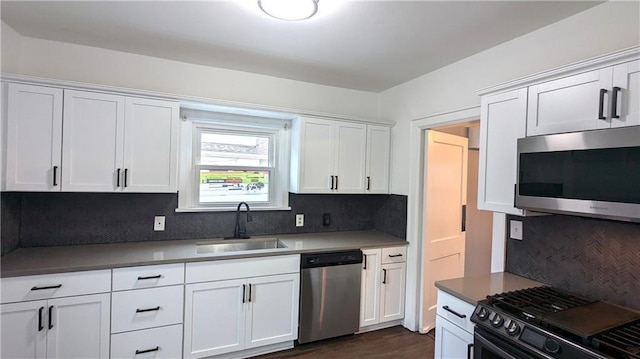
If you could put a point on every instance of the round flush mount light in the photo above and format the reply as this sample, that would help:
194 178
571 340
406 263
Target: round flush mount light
290 10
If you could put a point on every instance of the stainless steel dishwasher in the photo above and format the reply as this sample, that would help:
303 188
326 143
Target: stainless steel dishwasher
329 295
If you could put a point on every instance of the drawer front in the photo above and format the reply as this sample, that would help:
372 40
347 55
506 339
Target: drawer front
36 287
394 255
458 306
146 308
241 268
157 343
148 276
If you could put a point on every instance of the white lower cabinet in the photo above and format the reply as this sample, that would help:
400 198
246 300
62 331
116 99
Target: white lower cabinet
157 343
235 314
454 329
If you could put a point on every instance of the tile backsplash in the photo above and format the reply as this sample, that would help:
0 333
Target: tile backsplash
592 257
48 219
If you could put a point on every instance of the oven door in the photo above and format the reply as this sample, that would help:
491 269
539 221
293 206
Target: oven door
490 346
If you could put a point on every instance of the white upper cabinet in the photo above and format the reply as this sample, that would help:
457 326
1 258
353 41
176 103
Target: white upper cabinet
502 121
34 138
339 157
597 99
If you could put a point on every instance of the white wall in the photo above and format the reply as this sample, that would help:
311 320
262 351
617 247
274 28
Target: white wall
599 30
65 61
11 49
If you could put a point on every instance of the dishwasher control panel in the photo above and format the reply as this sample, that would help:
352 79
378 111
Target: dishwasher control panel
331 259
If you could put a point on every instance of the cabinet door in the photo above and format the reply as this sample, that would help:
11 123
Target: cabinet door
272 315
34 138
392 292
24 331
78 327
502 122
150 146
92 150
370 292
451 341
214 318
350 155
315 156
378 149
570 104
627 77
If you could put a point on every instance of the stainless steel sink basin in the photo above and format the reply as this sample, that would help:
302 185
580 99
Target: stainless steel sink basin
236 245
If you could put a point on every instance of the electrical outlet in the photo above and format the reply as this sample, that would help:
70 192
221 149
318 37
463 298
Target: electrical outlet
515 230
299 220
158 223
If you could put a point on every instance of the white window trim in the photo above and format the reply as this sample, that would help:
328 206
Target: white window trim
194 119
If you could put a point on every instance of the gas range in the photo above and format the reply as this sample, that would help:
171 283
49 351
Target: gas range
545 322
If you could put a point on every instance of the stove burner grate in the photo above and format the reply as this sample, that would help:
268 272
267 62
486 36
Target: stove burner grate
623 341
536 302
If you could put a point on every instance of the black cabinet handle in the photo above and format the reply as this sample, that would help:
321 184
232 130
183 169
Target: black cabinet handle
244 291
40 326
47 287
601 115
469 347
446 307
395 255
368 183
151 277
249 292
364 259
126 171
614 103
336 182
55 176
118 177
384 276
147 310
332 179
464 218
147 350
51 317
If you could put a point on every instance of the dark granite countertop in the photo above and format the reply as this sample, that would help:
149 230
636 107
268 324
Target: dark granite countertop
58 259
471 289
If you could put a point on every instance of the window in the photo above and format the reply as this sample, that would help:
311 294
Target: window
231 159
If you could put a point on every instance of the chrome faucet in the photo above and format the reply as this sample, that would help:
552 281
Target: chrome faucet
241 231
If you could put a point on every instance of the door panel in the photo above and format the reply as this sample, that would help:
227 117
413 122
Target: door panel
627 77
392 292
451 341
23 334
369 295
350 157
316 162
378 143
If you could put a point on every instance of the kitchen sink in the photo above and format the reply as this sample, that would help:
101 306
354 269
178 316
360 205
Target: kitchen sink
235 245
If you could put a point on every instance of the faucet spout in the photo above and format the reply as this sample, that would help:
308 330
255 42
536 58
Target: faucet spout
241 231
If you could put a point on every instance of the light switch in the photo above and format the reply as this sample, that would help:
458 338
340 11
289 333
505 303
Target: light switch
515 230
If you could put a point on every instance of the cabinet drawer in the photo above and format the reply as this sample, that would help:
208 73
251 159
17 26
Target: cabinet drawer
165 342
241 268
458 306
20 289
148 276
394 255
146 308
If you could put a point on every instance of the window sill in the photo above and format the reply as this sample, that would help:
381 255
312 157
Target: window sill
227 209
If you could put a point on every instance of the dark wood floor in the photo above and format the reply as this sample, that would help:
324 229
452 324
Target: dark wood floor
395 342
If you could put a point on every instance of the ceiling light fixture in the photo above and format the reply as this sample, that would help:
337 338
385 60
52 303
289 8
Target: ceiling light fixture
290 10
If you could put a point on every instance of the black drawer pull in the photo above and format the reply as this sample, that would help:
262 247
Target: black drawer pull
332 181
614 104
368 183
395 255
147 310
244 293
126 171
446 307
147 350
118 177
384 276
601 115
47 287
40 326
55 176
151 277
249 293
51 317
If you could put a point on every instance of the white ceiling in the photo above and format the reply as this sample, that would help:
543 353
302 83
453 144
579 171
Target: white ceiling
365 45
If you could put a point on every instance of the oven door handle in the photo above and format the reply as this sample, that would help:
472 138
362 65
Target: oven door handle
492 347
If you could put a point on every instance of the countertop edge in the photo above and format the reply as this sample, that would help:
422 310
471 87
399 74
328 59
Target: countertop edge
472 289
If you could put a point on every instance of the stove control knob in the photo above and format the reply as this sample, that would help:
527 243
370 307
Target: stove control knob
551 346
497 321
512 327
482 313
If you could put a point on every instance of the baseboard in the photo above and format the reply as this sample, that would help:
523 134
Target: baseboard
385 325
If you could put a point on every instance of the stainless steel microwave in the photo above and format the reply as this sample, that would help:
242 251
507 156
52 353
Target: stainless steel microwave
591 173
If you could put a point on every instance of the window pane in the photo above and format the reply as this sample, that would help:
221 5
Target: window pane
234 186
234 150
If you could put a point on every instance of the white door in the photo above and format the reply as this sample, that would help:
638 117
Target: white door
150 146
24 331
34 138
378 144
574 103
78 327
350 157
214 318
451 341
503 121
315 156
627 77
370 292
445 191
92 150
272 315
392 291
